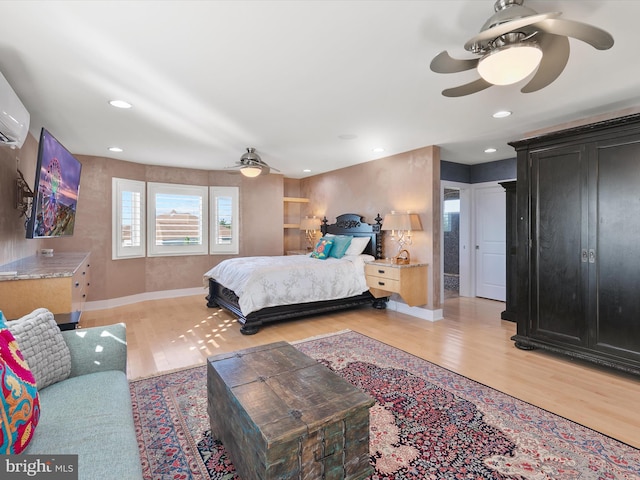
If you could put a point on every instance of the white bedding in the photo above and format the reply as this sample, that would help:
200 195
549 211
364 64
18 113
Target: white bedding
261 282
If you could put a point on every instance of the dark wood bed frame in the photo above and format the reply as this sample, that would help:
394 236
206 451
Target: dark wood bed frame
346 224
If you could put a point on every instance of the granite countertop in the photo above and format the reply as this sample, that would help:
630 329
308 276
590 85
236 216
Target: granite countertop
63 264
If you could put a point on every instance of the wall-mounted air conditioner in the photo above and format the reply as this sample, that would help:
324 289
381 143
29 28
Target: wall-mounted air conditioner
14 118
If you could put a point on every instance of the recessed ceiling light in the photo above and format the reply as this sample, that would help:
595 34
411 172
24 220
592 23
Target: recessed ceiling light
378 150
490 150
307 170
120 104
502 114
115 149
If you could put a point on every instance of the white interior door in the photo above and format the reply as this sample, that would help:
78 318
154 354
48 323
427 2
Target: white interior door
491 234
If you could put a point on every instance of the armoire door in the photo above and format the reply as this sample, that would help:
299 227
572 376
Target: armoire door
559 237
614 320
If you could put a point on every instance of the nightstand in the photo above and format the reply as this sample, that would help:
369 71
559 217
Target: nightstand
409 281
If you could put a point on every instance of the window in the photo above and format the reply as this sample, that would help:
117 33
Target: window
178 219
451 213
128 222
175 219
225 234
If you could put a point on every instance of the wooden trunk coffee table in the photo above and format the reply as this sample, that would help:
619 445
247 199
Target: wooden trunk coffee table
282 415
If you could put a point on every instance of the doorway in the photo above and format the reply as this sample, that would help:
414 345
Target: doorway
451 242
473 240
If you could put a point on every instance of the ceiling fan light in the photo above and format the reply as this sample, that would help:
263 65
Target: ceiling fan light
251 171
510 63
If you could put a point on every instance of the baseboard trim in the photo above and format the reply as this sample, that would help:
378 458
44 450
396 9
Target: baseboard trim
419 312
143 297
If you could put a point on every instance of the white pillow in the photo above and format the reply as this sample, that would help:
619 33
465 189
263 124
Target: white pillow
42 346
362 258
357 246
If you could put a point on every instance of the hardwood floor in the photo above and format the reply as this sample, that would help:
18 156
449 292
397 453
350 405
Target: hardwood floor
471 340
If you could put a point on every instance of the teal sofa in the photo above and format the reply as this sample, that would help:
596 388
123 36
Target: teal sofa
89 413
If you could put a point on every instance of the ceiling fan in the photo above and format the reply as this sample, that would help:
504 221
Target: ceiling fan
513 43
251 165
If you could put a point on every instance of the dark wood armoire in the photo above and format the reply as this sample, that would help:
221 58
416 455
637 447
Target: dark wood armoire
578 243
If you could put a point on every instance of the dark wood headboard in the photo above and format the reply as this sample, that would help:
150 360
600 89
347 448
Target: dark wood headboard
354 225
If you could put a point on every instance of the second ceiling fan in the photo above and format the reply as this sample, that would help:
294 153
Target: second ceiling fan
251 165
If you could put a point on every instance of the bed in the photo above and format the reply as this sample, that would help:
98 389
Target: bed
251 315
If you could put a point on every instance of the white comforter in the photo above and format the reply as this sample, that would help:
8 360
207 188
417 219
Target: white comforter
261 282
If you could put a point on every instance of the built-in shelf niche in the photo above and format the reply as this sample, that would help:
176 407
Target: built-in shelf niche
290 214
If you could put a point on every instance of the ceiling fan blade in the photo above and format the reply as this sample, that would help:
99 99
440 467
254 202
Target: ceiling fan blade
594 36
467 88
555 56
514 25
444 63
266 168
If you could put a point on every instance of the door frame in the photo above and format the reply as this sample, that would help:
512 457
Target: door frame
464 237
467 233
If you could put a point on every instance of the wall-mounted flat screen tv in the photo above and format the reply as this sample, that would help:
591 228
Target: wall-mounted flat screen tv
56 189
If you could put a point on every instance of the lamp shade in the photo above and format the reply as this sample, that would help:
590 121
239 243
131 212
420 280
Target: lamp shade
251 171
510 63
401 221
310 223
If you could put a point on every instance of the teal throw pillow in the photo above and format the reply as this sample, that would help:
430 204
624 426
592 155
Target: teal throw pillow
340 245
322 249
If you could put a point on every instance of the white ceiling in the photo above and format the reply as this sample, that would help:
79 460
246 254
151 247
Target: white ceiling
209 78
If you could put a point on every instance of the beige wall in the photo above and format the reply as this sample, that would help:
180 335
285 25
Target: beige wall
406 182
13 242
260 229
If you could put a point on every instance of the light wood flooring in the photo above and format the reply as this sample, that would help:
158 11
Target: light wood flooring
471 340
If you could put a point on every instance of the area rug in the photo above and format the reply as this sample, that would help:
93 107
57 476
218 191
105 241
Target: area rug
427 423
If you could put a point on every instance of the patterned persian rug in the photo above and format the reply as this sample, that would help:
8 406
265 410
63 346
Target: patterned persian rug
427 423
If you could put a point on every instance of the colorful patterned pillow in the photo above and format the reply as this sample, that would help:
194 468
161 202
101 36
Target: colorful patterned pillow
322 249
19 401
